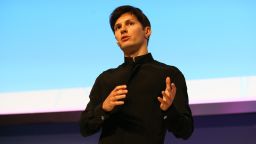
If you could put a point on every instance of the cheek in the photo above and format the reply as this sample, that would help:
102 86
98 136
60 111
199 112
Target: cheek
117 37
140 35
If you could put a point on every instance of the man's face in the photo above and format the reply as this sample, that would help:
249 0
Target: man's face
130 34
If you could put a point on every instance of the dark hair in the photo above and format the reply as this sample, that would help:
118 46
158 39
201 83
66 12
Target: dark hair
142 18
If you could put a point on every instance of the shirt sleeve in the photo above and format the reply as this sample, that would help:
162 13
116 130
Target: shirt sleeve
178 118
93 117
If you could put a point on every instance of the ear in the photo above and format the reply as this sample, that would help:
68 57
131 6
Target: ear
147 31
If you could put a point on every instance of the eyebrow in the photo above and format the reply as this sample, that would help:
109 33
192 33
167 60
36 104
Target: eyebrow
124 21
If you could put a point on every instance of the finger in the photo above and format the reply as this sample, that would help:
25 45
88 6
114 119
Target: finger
173 90
167 98
168 83
116 103
163 104
119 97
162 101
120 92
173 86
120 87
166 94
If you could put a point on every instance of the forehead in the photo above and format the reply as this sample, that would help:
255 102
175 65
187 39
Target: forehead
126 16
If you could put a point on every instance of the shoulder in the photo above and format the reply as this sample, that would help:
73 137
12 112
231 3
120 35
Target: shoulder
110 72
174 73
169 68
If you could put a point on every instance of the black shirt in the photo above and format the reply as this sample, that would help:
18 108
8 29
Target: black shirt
140 120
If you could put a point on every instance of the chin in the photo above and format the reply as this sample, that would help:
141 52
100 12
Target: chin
126 47
129 50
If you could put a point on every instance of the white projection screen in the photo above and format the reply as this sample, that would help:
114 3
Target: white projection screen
52 51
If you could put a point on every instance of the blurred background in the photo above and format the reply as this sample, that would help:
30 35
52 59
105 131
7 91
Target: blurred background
52 51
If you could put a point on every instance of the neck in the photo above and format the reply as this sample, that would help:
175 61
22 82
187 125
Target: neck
135 54
138 52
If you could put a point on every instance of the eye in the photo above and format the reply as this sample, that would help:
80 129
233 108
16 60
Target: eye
131 23
117 27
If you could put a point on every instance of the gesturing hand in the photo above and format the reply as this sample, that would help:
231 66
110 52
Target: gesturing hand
114 97
168 95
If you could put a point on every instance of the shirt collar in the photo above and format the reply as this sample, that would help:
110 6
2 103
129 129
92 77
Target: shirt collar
139 59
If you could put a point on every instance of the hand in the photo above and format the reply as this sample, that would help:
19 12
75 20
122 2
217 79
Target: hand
168 95
114 97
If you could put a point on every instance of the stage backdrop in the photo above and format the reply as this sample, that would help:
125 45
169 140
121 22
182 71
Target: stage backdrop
52 51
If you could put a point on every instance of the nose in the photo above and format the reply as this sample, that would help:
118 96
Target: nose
123 30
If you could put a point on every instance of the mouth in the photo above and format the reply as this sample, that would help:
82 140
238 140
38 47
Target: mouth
125 38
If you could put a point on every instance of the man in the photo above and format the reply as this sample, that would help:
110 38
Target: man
137 102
